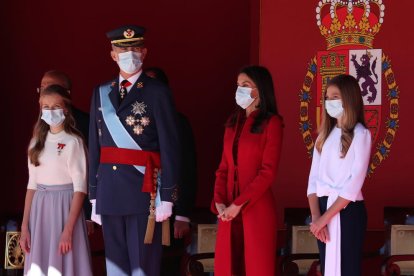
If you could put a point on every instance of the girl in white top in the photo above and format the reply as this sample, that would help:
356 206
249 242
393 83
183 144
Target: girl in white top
339 166
53 234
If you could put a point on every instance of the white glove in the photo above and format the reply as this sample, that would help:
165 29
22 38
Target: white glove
163 211
94 217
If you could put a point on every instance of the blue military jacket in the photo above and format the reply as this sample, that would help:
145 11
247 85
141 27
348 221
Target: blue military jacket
148 114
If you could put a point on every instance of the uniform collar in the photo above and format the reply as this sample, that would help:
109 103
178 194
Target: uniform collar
131 79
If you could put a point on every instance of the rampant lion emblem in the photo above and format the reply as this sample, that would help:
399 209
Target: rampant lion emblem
365 70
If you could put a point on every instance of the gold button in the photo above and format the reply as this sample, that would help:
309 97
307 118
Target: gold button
114 168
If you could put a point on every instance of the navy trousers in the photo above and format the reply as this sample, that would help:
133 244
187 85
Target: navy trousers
125 251
353 227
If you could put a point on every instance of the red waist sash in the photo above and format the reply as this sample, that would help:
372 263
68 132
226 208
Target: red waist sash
150 159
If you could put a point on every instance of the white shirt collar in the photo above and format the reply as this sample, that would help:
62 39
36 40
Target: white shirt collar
131 79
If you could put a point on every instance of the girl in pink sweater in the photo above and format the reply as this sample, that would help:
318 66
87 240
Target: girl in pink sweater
54 236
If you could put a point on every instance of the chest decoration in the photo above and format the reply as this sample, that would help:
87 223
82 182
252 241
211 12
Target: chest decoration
60 147
137 120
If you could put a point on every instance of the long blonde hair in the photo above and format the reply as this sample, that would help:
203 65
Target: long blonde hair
353 113
41 128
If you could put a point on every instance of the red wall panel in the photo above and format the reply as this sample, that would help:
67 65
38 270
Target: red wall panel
289 38
200 44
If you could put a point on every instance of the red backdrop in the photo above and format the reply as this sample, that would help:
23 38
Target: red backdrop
289 38
201 46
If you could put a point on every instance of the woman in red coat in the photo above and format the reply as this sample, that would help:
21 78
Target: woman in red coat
243 199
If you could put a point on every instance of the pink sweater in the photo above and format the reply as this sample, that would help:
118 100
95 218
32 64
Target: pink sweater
62 161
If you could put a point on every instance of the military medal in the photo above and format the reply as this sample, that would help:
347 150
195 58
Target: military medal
137 124
138 108
122 92
60 147
138 129
145 121
130 120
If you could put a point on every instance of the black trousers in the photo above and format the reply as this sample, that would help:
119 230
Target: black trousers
353 227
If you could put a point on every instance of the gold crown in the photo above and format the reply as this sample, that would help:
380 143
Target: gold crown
349 22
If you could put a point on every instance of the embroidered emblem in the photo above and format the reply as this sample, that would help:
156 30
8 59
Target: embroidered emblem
130 120
138 129
60 147
145 121
140 84
138 108
129 33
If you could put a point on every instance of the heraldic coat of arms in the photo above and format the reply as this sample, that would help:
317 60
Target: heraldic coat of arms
349 27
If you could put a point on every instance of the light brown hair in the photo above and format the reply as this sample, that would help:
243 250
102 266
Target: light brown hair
41 128
353 113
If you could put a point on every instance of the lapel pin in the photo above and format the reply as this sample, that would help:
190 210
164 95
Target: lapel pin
140 84
60 147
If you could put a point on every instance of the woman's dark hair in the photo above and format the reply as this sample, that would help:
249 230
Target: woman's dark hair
267 106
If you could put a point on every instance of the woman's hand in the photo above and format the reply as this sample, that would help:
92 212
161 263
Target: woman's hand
65 243
231 212
323 235
220 209
319 229
25 240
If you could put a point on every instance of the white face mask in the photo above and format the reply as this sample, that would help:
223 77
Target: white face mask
334 108
53 117
243 98
129 62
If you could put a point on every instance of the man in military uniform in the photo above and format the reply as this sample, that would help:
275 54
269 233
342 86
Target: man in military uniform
134 157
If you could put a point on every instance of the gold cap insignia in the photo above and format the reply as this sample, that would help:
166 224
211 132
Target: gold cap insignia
129 33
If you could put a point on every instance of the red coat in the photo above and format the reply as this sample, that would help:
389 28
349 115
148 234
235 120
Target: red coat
258 158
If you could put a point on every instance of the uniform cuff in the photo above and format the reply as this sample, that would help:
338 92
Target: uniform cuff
181 218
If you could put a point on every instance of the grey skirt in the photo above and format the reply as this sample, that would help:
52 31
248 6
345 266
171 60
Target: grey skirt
49 212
